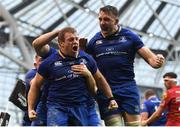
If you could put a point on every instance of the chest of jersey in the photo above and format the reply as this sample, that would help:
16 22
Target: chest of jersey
61 69
113 47
114 53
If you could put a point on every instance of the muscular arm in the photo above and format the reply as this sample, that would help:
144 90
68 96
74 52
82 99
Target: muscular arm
144 116
102 84
40 44
36 84
91 84
156 61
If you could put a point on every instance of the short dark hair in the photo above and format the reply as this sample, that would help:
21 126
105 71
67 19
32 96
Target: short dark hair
149 93
63 31
170 74
110 9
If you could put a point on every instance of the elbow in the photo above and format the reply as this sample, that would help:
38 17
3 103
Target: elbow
35 44
158 114
98 82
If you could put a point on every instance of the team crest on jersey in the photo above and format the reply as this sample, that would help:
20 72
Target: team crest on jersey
58 63
83 61
122 39
98 42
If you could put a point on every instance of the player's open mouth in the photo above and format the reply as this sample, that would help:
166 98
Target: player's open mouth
75 48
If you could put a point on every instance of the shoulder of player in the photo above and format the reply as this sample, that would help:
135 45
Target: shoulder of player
146 102
173 90
128 33
96 37
31 72
83 54
51 58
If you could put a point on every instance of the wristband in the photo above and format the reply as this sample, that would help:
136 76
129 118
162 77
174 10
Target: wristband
110 99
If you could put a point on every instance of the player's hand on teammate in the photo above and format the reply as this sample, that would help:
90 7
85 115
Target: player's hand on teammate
83 43
32 115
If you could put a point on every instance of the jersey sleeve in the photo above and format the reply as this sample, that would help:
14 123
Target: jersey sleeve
50 52
92 66
144 107
43 69
90 46
138 43
29 76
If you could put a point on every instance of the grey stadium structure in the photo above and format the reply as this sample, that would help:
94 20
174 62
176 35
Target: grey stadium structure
157 22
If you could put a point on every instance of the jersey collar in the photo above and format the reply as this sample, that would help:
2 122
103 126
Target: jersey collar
67 57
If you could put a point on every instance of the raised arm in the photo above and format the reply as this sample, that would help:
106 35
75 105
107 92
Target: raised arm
156 61
33 94
40 44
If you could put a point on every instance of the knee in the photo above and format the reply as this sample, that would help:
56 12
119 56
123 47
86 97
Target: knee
134 123
114 120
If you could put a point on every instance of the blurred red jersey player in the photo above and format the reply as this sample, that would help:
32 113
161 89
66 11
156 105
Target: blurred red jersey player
171 102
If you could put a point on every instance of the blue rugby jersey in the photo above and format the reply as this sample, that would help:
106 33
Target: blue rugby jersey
45 87
28 77
150 106
49 53
66 88
115 55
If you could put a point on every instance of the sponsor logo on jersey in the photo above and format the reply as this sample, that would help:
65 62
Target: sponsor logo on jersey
83 61
122 39
58 63
109 49
98 42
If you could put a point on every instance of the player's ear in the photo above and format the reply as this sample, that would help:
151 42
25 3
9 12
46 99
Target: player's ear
61 44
